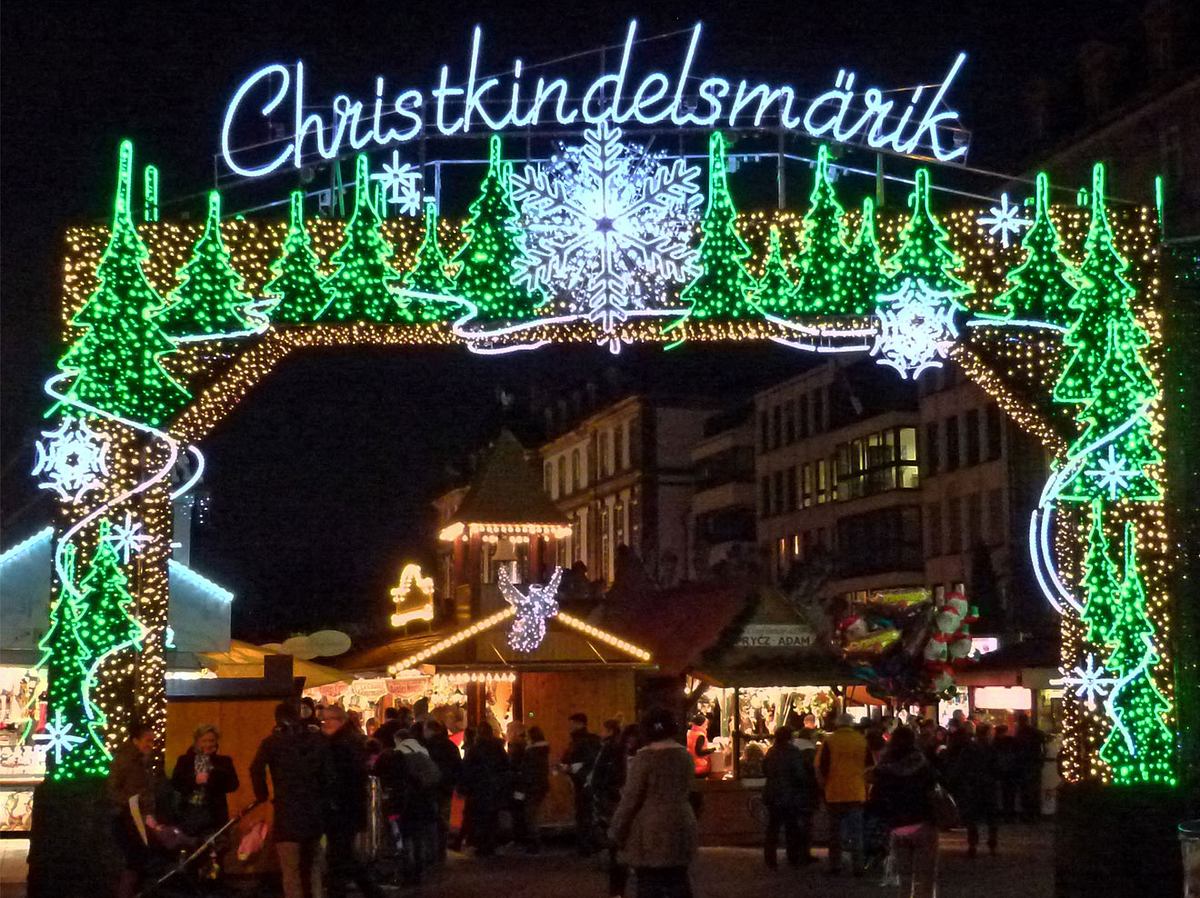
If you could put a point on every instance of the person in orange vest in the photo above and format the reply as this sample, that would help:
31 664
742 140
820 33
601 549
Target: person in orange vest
698 747
842 762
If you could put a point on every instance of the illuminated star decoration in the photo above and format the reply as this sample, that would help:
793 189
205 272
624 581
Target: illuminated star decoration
1088 681
401 184
916 327
58 738
1112 473
1004 219
127 538
610 226
532 610
73 459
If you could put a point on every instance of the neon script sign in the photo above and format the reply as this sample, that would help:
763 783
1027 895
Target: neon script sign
842 113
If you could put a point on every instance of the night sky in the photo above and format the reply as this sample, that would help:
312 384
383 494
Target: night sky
320 481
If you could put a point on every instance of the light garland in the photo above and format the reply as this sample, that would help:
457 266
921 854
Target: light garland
458 530
415 593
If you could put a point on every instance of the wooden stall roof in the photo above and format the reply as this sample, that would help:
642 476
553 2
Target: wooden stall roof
507 490
569 641
694 628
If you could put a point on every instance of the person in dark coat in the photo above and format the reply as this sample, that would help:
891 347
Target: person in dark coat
484 784
386 734
608 778
531 785
902 787
301 772
449 761
203 780
788 791
348 806
132 774
577 763
410 779
970 773
1004 748
1030 745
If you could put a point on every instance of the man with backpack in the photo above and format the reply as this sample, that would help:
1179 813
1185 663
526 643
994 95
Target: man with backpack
448 758
410 779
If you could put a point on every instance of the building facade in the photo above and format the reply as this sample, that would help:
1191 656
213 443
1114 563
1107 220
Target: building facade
877 483
723 509
623 476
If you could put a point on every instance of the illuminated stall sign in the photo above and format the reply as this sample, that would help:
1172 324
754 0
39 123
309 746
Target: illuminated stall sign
775 636
846 113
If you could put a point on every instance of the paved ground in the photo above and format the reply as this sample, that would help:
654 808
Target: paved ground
1022 869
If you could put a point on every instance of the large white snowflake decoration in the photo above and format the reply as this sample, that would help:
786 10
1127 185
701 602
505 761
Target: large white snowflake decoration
58 738
1004 219
916 327
401 185
128 538
73 459
609 226
1088 681
1113 473
532 610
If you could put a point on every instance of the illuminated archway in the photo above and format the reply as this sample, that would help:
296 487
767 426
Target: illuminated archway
1062 327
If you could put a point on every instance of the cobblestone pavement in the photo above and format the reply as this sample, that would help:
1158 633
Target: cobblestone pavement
1022 869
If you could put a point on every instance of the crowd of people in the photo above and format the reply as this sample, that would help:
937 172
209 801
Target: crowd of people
886 788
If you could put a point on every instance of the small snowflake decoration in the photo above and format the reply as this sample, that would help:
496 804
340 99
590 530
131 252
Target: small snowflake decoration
610 226
1113 473
58 737
916 327
1004 219
73 459
127 538
1088 681
401 184
532 610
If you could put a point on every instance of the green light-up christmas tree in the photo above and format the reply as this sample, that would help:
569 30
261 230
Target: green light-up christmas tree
1041 287
1103 297
489 258
428 273
925 253
1139 748
360 288
105 606
295 276
118 357
1100 582
864 275
821 286
74 749
1116 469
209 301
721 287
773 293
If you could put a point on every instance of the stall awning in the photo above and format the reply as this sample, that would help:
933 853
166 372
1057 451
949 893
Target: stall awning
246 660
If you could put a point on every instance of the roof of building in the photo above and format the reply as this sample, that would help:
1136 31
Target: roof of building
567 642
695 627
507 490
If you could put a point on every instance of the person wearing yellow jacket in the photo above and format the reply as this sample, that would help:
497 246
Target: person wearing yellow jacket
842 763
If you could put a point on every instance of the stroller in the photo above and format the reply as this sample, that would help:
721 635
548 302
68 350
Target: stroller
196 862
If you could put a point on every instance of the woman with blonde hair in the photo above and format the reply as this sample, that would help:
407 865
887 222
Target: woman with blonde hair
203 778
